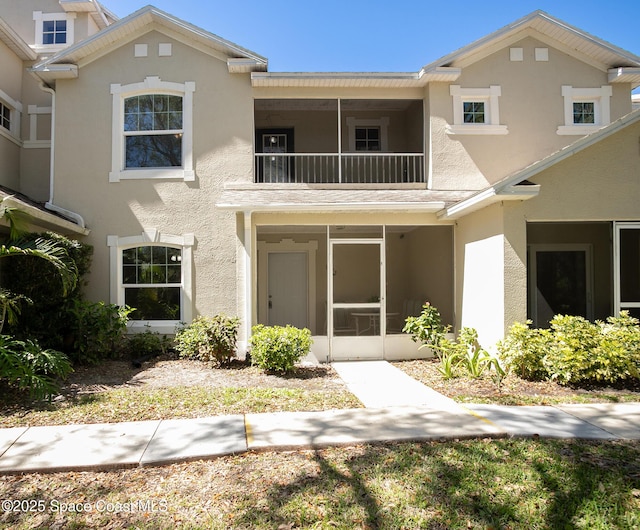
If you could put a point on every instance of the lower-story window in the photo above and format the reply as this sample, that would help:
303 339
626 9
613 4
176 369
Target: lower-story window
152 281
151 273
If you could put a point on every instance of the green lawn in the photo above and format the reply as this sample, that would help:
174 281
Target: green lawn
134 404
514 484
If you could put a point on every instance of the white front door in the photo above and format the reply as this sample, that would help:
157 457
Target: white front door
288 289
356 299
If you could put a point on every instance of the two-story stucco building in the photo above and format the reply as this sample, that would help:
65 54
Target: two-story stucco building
499 183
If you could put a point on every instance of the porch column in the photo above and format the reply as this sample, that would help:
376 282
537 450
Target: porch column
248 280
339 141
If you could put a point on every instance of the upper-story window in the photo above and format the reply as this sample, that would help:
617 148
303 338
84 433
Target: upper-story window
584 112
368 135
368 139
585 109
5 116
473 112
476 111
152 133
10 111
53 30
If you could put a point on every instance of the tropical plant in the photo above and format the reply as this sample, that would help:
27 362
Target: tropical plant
28 367
10 306
21 245
426 328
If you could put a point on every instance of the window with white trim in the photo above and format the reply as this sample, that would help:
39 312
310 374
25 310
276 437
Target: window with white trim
476 111
10 111
585 109
368 139
5 116
152 133
151 273
53 30
368 134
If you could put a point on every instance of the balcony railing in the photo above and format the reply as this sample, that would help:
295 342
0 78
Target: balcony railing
333 168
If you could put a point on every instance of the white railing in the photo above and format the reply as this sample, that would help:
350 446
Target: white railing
333 168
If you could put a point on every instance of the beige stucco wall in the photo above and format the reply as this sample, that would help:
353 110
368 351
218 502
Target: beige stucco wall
531 106
599 183
480 273
11 84
223 140
19 15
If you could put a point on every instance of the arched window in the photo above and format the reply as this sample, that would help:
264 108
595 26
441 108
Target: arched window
152 274
152 282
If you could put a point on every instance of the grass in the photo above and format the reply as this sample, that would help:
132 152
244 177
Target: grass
516 484
135 404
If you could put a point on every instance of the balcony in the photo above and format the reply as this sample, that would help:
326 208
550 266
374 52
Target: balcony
329 168
361 142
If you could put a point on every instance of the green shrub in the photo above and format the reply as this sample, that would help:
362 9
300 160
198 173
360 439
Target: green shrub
524 349
28 367
147 344
277 348
97 331
208 339
576 351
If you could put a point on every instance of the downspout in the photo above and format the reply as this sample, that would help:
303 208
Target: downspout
49 205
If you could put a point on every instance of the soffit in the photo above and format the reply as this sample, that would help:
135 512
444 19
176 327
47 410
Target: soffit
353 79
331 105
15 43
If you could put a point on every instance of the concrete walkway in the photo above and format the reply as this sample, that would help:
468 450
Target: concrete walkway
398 408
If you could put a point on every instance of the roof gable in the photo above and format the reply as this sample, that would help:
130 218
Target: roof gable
139 23
551 31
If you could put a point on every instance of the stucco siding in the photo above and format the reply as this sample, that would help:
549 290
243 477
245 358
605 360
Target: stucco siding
480 274
599 183
531 106
222 148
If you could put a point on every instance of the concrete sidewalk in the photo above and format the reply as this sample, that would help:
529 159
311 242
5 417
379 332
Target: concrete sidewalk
408 412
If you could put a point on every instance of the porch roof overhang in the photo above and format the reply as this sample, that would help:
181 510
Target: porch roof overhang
38 216
518 187
355 79
308 199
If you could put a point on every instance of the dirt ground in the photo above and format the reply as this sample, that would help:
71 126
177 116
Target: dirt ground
166 371
169 371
